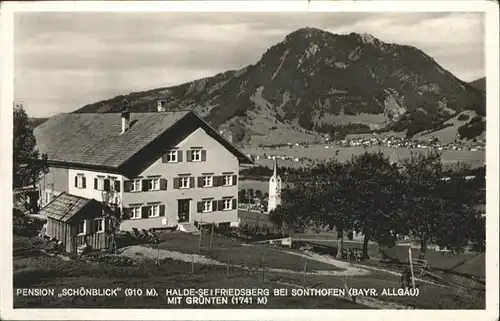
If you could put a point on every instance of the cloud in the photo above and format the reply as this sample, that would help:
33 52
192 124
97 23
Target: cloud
66 60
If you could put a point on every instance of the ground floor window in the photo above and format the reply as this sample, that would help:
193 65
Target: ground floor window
207 206
99 225
82 227
154 210
136 212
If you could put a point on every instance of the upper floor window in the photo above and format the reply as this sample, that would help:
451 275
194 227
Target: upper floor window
172 156
99 225
100 183
227 204
207 181
184 182
136 185
196 155
80 181
228 180
154 184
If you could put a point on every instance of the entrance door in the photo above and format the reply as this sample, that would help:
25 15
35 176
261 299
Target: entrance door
183 210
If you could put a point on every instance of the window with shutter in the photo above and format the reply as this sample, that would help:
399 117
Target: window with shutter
76 181
235 180
162 210
196 155
226 204
214 206
207 206
127 186
154 184
200 207
135 212
95 183
84 182
188 156
203 155
117 186
171 156
234 205
136 185
191 182
179 156
176 182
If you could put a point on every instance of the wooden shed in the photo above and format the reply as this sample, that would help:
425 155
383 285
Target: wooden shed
75 221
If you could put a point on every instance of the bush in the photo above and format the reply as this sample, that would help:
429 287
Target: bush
24 225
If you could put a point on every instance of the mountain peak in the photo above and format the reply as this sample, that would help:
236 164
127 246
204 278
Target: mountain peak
315 81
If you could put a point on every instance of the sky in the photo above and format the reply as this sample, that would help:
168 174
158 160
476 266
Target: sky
63 61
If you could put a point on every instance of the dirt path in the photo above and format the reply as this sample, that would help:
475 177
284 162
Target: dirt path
138 252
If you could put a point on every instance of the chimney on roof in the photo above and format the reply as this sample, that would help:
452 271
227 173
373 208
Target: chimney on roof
160 105
125 116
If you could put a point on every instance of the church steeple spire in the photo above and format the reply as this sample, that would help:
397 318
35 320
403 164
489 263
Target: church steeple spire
274 188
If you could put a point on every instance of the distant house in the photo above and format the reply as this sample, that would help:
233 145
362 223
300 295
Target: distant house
76 221
159 169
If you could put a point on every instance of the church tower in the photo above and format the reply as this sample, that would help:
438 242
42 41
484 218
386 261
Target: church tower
274 189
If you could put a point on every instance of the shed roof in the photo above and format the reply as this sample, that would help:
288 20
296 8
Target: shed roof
65 206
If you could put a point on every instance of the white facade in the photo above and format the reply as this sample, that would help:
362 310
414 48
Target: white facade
274 189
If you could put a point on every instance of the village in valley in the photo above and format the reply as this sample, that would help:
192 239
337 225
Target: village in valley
154 194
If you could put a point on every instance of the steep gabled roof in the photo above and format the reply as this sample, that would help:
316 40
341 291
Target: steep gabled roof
95 140
66 206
